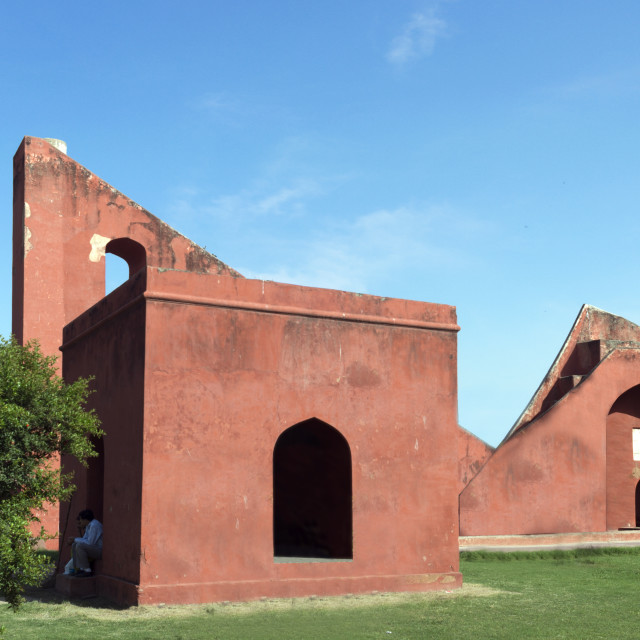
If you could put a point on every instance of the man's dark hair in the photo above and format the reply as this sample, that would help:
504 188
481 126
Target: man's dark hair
87 514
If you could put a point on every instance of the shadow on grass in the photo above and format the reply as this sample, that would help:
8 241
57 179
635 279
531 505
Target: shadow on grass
48 595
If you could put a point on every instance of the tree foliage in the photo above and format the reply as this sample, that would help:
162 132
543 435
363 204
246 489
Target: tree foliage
40 417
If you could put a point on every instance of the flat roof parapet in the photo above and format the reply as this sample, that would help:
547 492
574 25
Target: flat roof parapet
263 296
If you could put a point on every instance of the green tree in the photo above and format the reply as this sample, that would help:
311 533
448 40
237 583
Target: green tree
40 417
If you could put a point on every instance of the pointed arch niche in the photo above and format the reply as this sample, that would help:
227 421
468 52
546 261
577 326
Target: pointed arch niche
312 494
623 463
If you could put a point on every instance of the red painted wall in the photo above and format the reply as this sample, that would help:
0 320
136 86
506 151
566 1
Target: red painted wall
112 484
623 472
472 455
198 372
585 346
64 219
556 474
229 365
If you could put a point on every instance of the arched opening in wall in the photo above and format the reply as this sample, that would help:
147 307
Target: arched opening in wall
312 495
638 504
623 460
116 272
124 257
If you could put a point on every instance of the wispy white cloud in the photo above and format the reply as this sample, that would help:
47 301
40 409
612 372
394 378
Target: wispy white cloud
241 108
360 254
616 83
268 232
576 97
215 102
281 188
222 108
418 39
287 225
265 200
275 202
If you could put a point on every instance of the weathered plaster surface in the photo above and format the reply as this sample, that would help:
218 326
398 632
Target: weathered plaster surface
199 371
593 328
569 467
224 366
98 247
472 455
58 208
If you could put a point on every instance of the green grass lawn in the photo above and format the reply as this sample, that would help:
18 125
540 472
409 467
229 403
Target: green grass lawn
583 595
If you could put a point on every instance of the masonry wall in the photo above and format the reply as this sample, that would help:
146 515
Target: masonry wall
551 476
472 455
199 372
623 471
230 364
65 219
583 349
112 485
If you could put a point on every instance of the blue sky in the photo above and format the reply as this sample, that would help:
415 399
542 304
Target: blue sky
479 154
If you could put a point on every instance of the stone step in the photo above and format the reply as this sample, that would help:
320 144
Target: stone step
536 542
76 587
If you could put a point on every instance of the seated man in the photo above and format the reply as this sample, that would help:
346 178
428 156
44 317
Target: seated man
69 569
88 547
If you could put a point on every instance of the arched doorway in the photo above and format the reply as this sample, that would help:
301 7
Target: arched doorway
312 505
623 463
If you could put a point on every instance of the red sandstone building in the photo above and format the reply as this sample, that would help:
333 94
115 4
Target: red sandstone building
262 439
571 463
265 439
